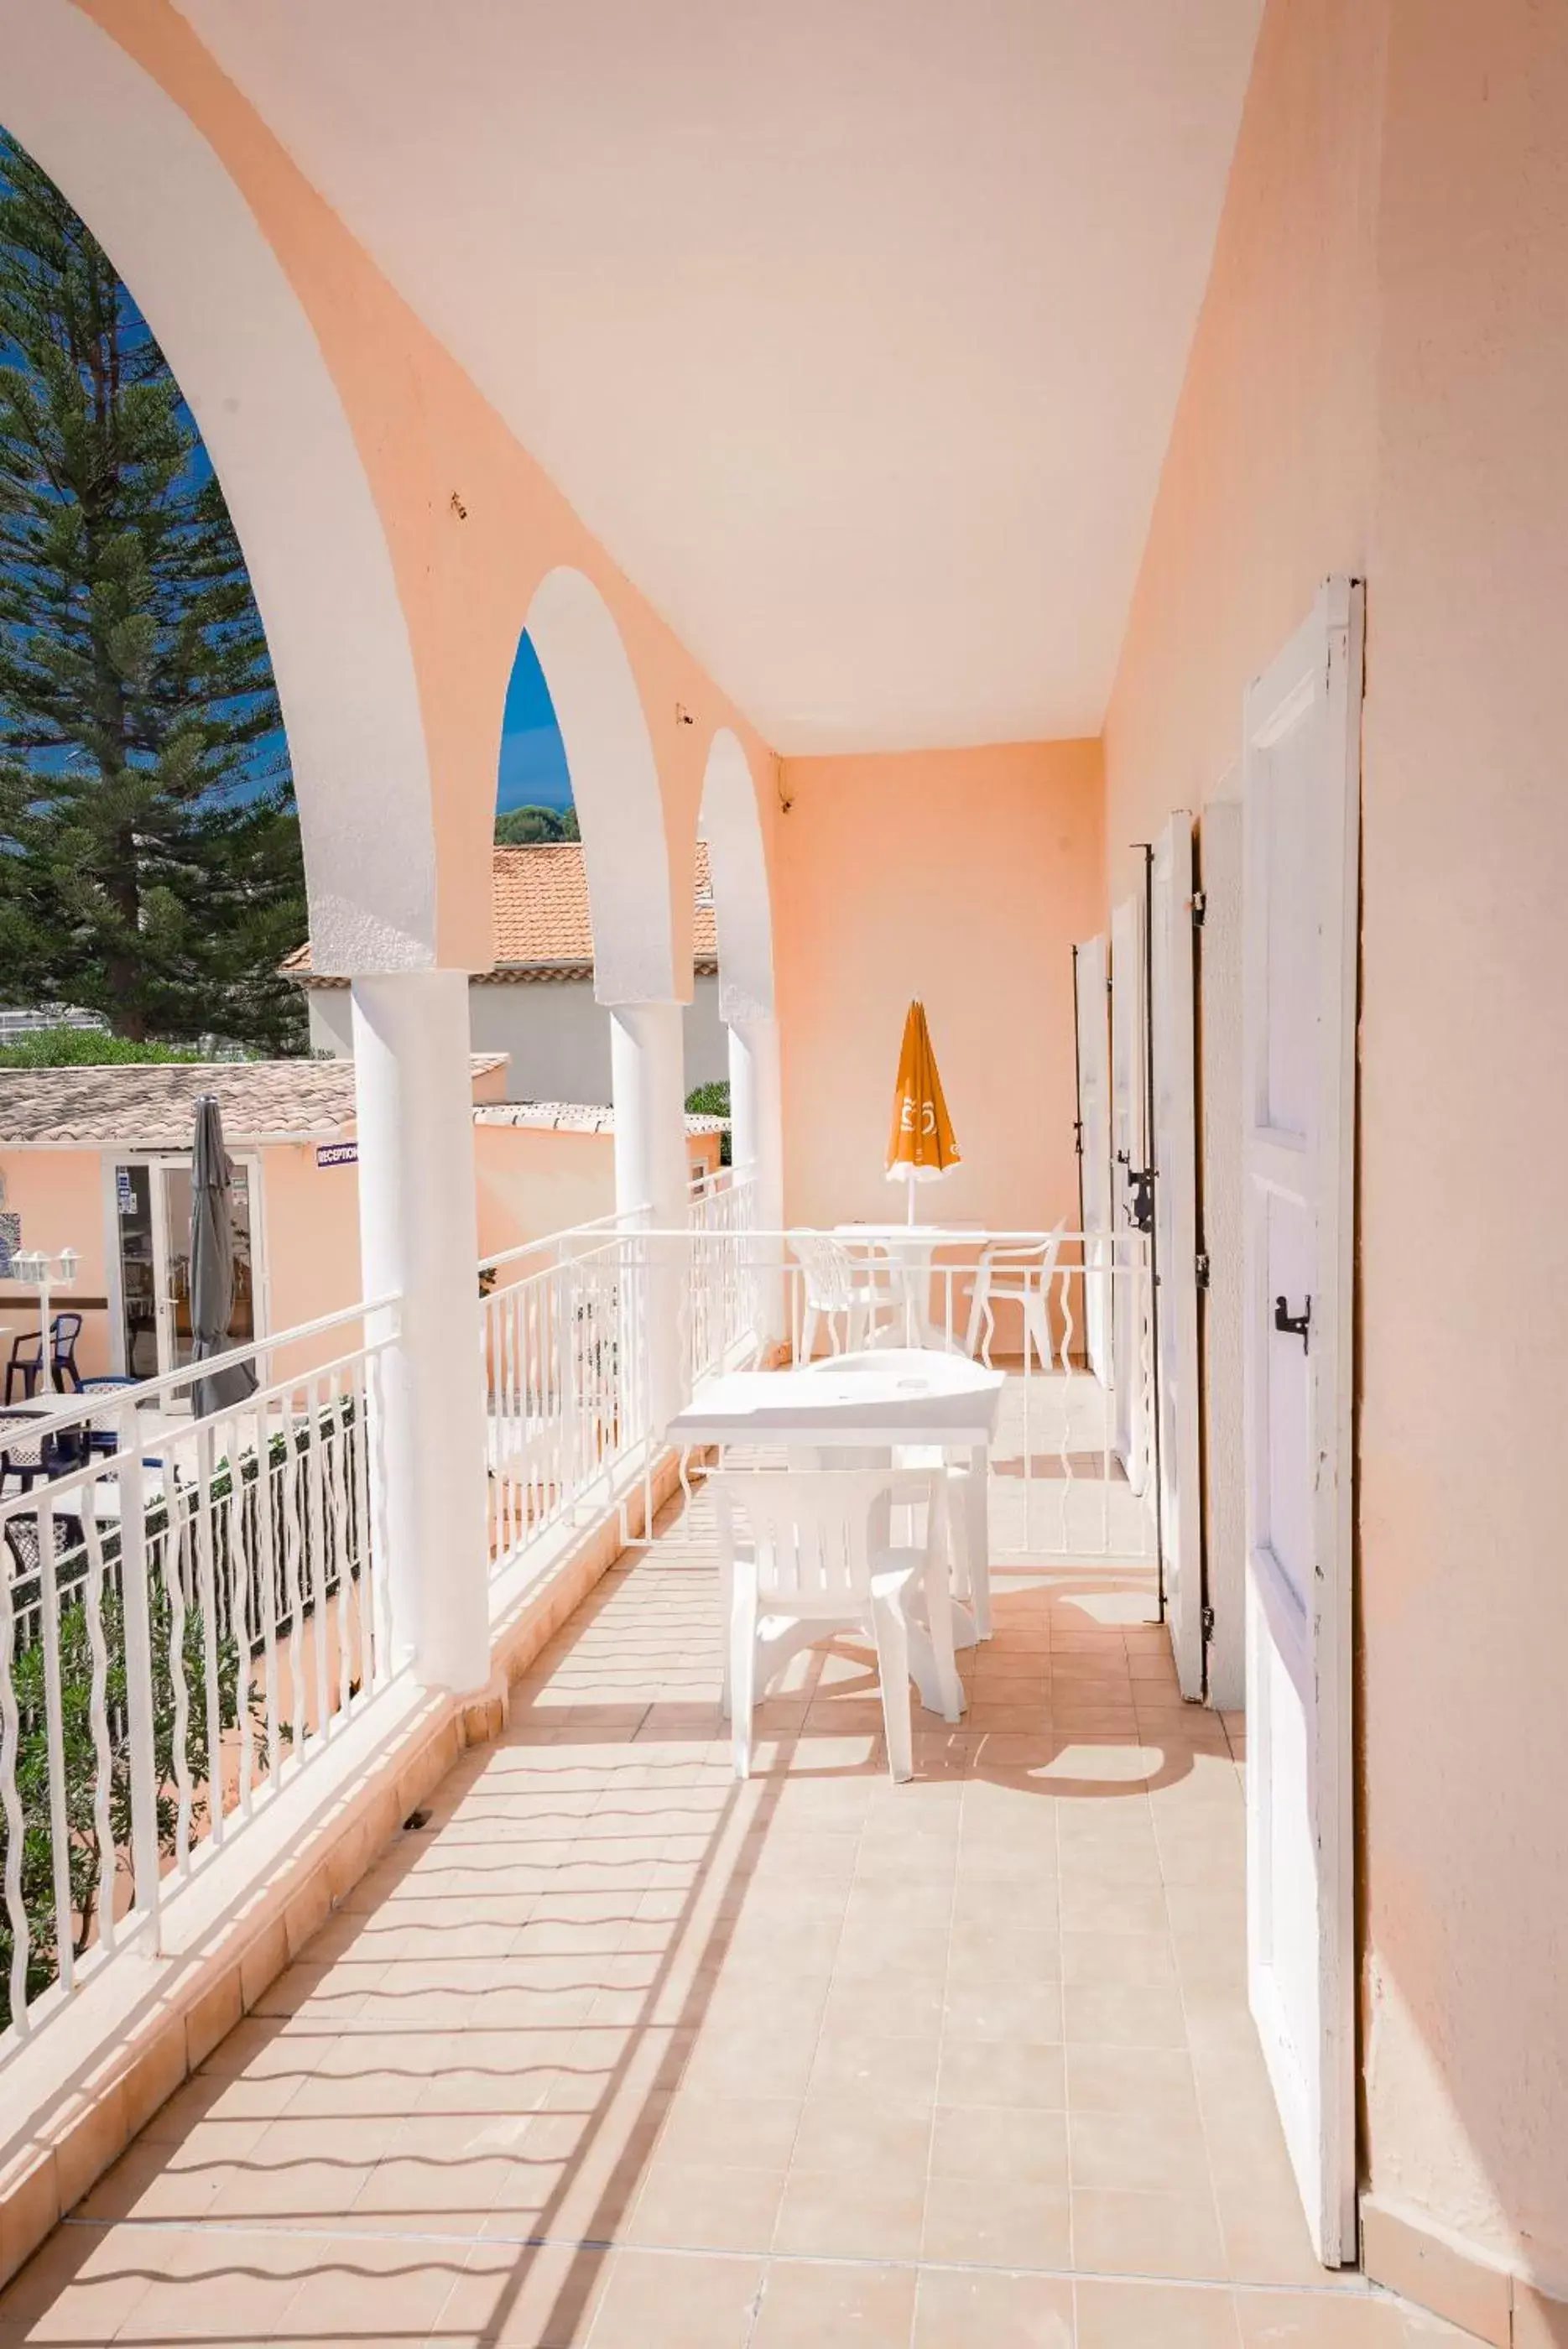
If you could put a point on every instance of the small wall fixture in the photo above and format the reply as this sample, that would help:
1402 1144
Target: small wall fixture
459 509
683 716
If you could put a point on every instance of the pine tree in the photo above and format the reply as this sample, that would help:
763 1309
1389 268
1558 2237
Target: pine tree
150 859
522 827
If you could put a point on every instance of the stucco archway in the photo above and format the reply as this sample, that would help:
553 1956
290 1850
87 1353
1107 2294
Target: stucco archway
615 788
743 907
166 210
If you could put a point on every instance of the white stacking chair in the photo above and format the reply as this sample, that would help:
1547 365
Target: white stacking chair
1018 1276
808 1551
969 1511
839 1287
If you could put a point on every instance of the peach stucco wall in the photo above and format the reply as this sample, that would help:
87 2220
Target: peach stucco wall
1378 384
963 877
59 1196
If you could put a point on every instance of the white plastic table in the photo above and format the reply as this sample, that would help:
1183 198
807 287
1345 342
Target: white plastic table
917 1397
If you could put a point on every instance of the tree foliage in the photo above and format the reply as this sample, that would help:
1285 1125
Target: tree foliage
520 827
85 1048
149 858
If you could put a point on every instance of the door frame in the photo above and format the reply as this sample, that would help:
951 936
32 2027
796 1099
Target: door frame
1091 1000
1173 1149
1132 1313
156 1161
1310 1636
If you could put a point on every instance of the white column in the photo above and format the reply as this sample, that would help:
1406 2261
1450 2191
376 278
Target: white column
757 1145
419 1237
648 1083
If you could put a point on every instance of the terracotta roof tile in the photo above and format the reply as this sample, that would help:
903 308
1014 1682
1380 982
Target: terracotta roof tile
152 1105
542 923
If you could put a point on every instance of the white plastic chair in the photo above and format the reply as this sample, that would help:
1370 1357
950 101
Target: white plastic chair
819 1559
1018 1276
969 1511
839 1286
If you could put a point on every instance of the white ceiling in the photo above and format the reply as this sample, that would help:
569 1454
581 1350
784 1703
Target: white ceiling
853 328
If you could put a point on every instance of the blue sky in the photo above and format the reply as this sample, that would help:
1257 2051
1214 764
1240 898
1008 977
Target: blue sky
533 756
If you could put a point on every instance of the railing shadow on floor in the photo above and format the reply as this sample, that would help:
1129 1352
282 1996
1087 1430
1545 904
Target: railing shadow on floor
598 2179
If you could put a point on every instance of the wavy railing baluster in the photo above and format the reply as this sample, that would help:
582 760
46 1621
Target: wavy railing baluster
1065 1277
291 1537
266 1542
207 1600
15 1824
317 1544
97 1716
239 1584
55 1743
175 1541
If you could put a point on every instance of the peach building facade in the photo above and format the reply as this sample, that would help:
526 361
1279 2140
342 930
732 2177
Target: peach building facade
1374 390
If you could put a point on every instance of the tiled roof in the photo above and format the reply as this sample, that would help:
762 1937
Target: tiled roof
577 1117
152 1105
542 928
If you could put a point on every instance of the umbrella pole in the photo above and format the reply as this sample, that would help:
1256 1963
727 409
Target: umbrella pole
909 1191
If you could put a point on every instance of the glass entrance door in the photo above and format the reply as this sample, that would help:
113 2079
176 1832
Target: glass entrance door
153 1201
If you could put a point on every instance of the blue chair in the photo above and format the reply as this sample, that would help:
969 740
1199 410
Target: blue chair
28 1357
106 1439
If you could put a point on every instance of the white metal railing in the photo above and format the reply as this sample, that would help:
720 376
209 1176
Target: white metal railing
722 1287
1066 1314
564 1326
191 1611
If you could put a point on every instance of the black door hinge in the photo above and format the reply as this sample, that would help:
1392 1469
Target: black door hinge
1200 1269
1207 1620
1199 907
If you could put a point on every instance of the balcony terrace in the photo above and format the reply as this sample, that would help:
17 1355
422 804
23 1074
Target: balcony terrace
607 2047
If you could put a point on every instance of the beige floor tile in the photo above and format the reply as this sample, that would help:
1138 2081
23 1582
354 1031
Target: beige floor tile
224 2288
1001 2142
978 2008
80 2287
1141 1958
754 2132
1320 2320
993 2312
1119 2231
1155 2316
359 2285
1139 2151
1131 2079
875 2217
1002 2072
705 2207
996 2223
1123 2015
540 2297
853 2134
835 2307
652 2300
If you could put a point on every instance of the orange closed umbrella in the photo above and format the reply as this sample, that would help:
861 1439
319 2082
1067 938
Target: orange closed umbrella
922 1143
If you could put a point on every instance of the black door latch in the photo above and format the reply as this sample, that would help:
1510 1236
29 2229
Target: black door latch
1140 1192
1294 1325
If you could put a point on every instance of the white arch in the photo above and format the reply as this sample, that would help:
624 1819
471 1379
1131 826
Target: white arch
615 788
743 908
161 202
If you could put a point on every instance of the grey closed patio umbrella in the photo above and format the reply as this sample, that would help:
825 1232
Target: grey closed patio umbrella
212 1265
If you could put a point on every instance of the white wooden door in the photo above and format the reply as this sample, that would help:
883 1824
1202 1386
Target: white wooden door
1301 796
1091 969
1129 1154
1175 1243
